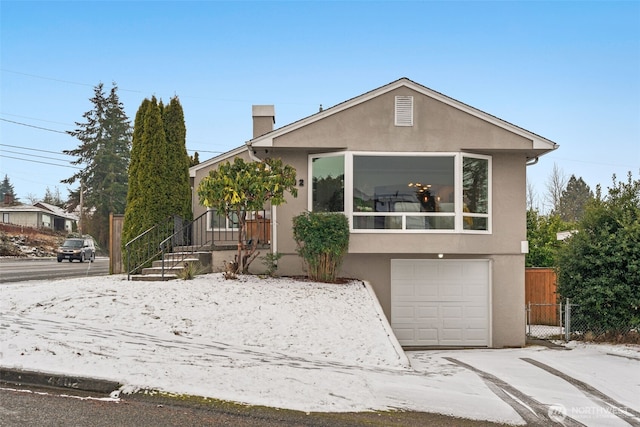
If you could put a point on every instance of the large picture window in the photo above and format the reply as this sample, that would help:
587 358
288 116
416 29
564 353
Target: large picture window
385 192
403 192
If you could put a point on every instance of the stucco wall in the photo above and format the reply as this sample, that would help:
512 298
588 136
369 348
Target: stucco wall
438 127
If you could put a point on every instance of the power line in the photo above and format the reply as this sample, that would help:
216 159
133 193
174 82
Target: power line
60 80
37 161
35 149
32 126
32 155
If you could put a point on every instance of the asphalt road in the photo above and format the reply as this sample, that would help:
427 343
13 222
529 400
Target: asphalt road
22 269
33 406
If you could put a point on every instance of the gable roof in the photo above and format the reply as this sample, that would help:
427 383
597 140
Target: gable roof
219 158
41 207
539 142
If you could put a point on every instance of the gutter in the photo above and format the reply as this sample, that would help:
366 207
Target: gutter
531 162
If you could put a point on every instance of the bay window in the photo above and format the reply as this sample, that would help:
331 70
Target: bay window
416 192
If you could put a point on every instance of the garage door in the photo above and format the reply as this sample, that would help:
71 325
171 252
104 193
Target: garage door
440 302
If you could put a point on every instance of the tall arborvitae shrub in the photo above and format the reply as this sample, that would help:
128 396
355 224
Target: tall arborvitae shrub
179 197
323 241
159 186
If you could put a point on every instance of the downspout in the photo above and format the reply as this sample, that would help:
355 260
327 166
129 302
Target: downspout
274 239
531 162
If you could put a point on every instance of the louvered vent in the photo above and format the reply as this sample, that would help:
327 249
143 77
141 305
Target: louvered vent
404 110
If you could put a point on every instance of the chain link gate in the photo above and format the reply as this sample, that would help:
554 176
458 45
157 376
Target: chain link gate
549 321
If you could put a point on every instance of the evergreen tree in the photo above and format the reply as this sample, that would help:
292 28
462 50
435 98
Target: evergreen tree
148 197
53 197
6 188
177 170
105 139
194 160
159 185
574 199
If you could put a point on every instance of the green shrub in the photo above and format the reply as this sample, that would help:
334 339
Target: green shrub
190 271
323 241
271 262
599 266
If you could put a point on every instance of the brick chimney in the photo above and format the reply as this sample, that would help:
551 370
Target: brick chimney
264 117
8 199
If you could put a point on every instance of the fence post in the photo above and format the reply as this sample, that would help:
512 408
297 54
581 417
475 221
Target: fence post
567 321
528 308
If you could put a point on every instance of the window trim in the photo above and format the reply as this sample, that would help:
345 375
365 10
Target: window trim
210 212
342 154
458 212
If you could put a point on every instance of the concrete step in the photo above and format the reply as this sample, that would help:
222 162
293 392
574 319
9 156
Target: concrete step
174 261
153 277
158 270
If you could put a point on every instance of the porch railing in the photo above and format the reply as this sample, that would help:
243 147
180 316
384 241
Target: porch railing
143 249
184 239
189 239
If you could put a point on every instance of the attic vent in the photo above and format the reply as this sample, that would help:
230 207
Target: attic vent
404 110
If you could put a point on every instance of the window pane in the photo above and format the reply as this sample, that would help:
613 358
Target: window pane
403 184
475 223
377 222
217 221
220 221
475 185
328 184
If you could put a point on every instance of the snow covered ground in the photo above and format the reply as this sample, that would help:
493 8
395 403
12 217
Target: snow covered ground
291 344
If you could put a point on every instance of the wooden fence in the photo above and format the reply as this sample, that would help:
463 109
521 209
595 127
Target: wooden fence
540 289
116 265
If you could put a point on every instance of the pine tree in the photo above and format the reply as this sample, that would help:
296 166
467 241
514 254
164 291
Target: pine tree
105 139
6 188
574 199
194 160
53 197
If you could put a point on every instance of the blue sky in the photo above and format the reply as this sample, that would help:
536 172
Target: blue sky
569 71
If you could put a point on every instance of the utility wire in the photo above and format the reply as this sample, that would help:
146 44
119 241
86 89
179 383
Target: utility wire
37 161
33 155
60 80
32 126
35 149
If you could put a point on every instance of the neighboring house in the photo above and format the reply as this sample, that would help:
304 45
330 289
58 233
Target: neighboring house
435 195
40 215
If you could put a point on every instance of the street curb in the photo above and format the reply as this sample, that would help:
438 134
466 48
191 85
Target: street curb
44 379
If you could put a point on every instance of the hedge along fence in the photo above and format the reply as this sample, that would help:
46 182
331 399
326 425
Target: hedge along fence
323 241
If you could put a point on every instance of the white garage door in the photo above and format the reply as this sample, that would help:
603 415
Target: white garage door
440 302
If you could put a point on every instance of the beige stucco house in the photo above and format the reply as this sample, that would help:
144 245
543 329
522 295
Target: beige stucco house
434 190
39 215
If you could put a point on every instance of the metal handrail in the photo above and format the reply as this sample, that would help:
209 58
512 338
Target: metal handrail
194 236
195 233
142 241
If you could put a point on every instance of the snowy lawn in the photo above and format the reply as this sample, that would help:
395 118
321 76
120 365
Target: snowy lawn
277 342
